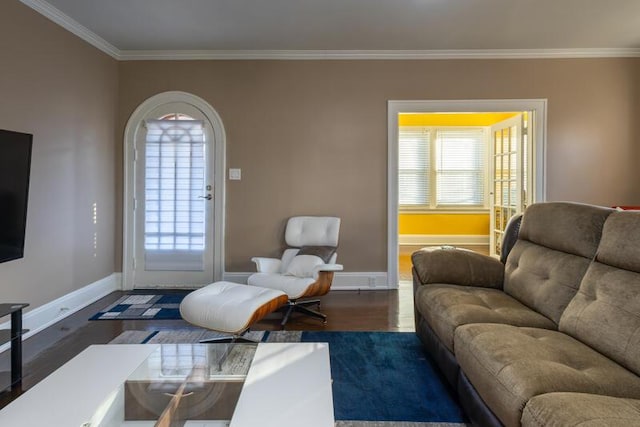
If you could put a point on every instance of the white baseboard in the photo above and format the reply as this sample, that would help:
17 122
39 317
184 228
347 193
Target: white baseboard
444 239
56 310
369 280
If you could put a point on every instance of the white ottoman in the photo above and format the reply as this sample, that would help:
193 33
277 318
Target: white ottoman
230 307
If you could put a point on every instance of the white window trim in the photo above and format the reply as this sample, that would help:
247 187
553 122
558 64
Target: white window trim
433 207
395 107
219 153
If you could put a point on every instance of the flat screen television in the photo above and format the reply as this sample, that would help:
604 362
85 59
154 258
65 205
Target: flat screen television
15 165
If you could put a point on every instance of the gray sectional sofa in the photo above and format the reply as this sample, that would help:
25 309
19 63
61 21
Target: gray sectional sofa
550 334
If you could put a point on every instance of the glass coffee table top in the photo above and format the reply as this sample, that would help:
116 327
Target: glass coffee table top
180 385
201 385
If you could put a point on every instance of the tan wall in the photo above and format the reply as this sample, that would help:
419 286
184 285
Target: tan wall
311 136
63 91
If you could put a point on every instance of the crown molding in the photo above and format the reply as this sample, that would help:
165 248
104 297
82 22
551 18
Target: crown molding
65 21
177 55
73 26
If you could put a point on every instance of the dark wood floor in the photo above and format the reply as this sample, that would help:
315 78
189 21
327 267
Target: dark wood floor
46 351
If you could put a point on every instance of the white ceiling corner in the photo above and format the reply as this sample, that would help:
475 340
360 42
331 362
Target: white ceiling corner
103 38
73 26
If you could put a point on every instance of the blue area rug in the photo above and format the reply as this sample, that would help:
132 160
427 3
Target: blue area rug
377 376
385 376
143 307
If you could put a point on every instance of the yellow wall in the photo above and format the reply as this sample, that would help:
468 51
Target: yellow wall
452 119
444 224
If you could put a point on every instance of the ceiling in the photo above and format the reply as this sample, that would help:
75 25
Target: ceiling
132 28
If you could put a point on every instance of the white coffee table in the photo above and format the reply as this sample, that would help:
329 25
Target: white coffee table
286 384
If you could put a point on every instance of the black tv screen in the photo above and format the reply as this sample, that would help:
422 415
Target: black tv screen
15 164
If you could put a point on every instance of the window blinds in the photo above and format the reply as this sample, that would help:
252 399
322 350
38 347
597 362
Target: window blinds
414 161
460 166
455 176
174 227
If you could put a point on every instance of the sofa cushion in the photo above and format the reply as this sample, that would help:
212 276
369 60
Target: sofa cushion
579 409
508 365
544 279
445 307
573 228
557 241
605 313
619 244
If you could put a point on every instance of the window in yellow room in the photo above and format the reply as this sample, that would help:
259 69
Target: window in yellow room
442 168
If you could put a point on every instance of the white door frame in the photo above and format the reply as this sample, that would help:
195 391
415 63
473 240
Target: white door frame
539 141
219 153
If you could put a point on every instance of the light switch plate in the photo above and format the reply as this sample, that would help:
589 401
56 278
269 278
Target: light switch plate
235 174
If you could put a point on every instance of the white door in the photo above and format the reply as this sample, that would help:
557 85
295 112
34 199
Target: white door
511 175
173 198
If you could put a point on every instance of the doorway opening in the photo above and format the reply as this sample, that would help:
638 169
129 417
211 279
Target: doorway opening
174 194
458 171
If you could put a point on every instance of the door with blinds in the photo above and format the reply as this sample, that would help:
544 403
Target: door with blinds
173 205
511 180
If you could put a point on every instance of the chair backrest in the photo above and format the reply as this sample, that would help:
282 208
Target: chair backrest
556 243
312 231
605 313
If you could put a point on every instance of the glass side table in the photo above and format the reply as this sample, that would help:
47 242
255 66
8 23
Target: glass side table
13 335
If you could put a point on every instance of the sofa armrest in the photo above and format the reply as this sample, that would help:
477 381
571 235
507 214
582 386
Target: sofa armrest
267 265
457 267
510 237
